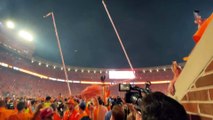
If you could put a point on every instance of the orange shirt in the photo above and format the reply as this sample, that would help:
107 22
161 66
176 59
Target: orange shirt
56 116
5 113
71 116
99 112
20 116
84 114
95 113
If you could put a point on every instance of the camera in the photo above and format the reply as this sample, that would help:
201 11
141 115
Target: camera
134 94
124 87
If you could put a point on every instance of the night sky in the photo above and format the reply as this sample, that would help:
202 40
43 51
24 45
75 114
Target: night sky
154 32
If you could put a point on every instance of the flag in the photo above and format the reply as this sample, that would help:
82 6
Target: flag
92 91
202 29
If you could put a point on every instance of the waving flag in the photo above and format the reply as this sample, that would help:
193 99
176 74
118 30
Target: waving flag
202 29
92 91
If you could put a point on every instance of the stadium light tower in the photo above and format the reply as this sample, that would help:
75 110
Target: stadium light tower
10 24
60 50
25 35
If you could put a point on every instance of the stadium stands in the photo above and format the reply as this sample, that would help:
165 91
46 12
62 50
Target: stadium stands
19 83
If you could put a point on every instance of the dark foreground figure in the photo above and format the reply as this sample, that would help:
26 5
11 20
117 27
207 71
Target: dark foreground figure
158 106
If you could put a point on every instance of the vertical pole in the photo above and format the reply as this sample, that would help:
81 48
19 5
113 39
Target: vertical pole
61 54
119 38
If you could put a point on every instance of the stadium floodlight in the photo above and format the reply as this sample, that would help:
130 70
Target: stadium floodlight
25 35
144 71
10 24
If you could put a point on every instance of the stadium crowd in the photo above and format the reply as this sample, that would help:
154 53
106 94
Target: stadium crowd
76 73
26 97
154 106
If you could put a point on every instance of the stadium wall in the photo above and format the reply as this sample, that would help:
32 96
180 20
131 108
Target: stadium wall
194 87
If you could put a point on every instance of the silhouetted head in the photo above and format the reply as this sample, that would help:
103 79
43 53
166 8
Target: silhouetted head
157 106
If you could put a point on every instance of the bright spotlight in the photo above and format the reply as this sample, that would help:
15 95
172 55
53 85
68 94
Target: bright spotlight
10 24
121 75
25 35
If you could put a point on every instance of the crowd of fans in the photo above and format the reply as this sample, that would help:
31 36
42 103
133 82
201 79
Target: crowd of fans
20 84
26 63
25 97
155 106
